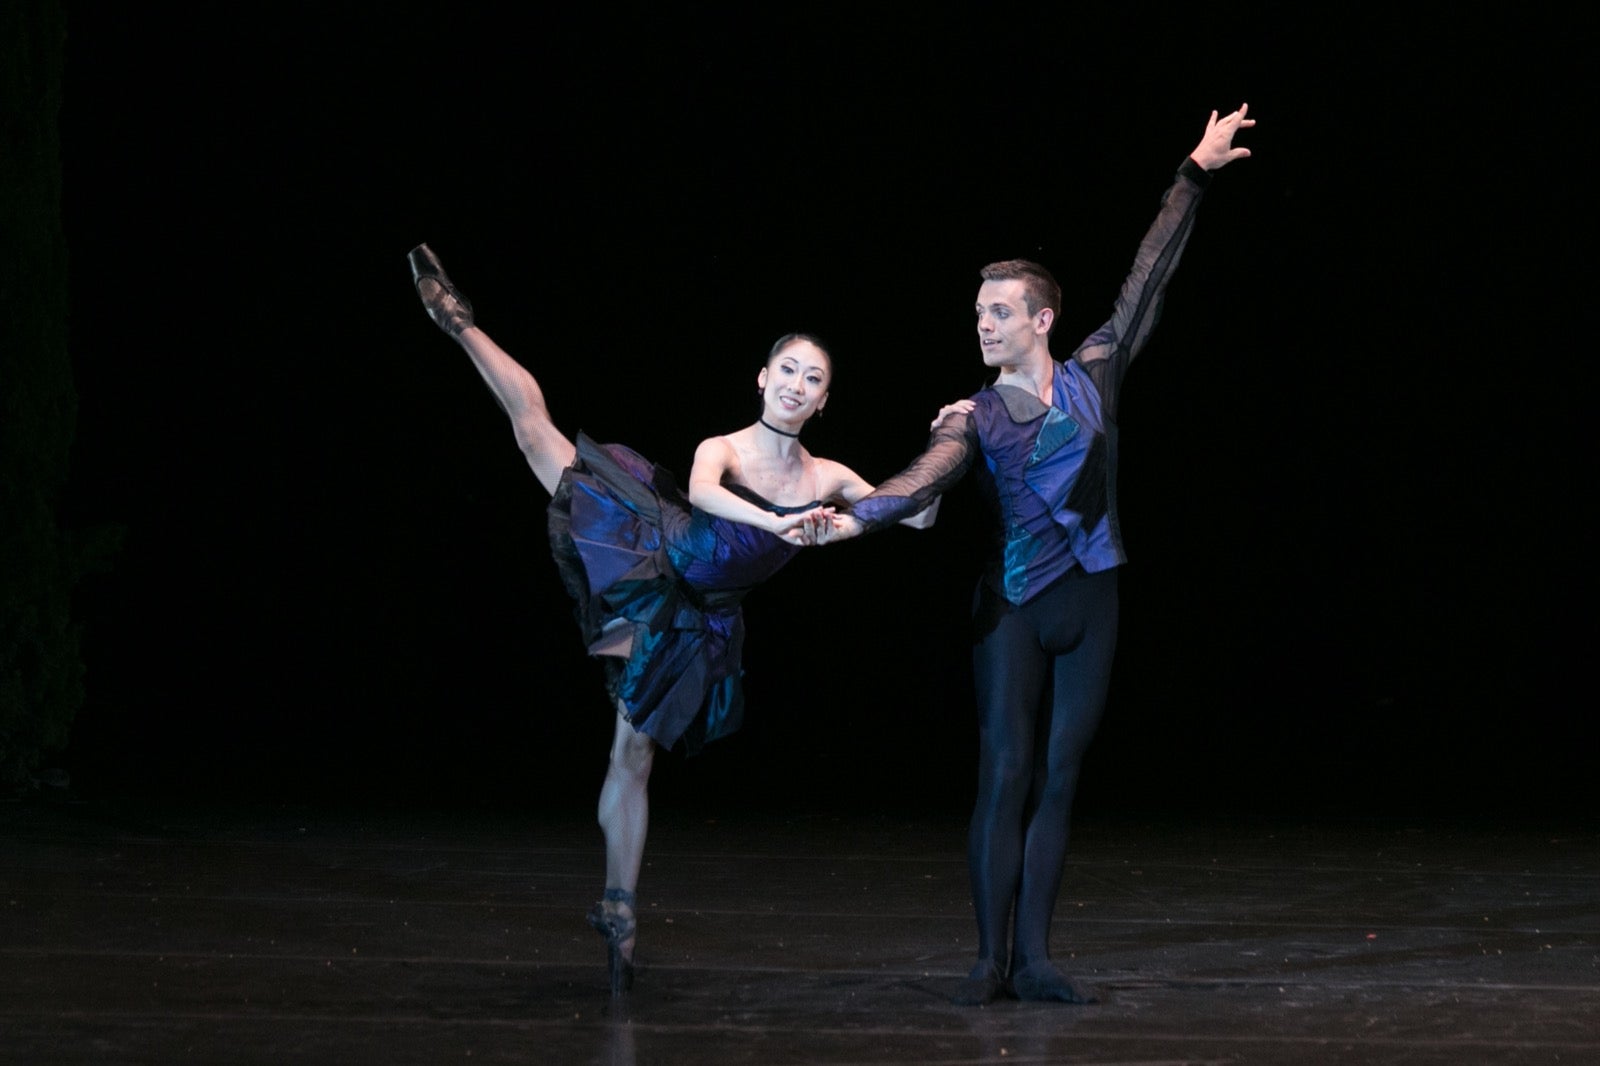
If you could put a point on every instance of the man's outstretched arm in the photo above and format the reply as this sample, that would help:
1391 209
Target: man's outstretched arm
916 488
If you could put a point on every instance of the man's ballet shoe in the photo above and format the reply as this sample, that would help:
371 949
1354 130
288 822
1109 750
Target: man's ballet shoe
982 986
1043 981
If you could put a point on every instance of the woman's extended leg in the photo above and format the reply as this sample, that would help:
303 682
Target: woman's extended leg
546 448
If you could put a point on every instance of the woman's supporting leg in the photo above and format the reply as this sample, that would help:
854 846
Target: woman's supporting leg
624 816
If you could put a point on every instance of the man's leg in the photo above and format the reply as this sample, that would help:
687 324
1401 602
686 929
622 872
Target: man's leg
1009 671
1081 631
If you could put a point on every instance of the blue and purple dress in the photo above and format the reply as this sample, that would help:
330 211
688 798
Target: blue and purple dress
657 585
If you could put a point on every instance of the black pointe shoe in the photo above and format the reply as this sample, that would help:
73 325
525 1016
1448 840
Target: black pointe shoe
1043 982
444 303
617 930
982 986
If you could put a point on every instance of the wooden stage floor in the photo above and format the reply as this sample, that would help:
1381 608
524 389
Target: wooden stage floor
163 934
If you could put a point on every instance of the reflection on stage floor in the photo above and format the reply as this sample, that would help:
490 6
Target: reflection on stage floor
165 933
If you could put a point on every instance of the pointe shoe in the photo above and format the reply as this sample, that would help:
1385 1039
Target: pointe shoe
444 303
985 984
1042 981
617 930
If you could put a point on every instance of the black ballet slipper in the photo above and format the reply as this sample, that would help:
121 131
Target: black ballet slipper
444 303
617 930
1044 982
982 986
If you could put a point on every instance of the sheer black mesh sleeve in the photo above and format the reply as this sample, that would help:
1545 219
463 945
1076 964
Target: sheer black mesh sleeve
949 453
1107 352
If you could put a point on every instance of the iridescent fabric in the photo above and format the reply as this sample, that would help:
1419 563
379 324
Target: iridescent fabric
656 585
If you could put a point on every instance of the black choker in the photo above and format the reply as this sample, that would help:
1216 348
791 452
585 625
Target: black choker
775 429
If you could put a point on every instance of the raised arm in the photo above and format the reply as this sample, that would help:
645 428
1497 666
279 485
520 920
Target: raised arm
1138 304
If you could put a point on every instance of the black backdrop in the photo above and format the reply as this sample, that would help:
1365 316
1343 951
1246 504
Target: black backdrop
1355 478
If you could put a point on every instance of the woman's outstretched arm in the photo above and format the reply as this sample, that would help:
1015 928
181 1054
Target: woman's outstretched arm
712 460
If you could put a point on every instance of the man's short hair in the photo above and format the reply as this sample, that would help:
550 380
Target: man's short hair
1040 289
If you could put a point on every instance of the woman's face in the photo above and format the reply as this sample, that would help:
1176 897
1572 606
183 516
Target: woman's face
794 383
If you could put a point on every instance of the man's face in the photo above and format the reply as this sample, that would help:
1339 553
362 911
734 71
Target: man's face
1007 334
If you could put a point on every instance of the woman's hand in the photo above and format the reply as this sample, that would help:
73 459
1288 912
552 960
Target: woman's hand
804 528
839 527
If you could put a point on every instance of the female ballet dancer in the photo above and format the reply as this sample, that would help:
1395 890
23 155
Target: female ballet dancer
657 577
